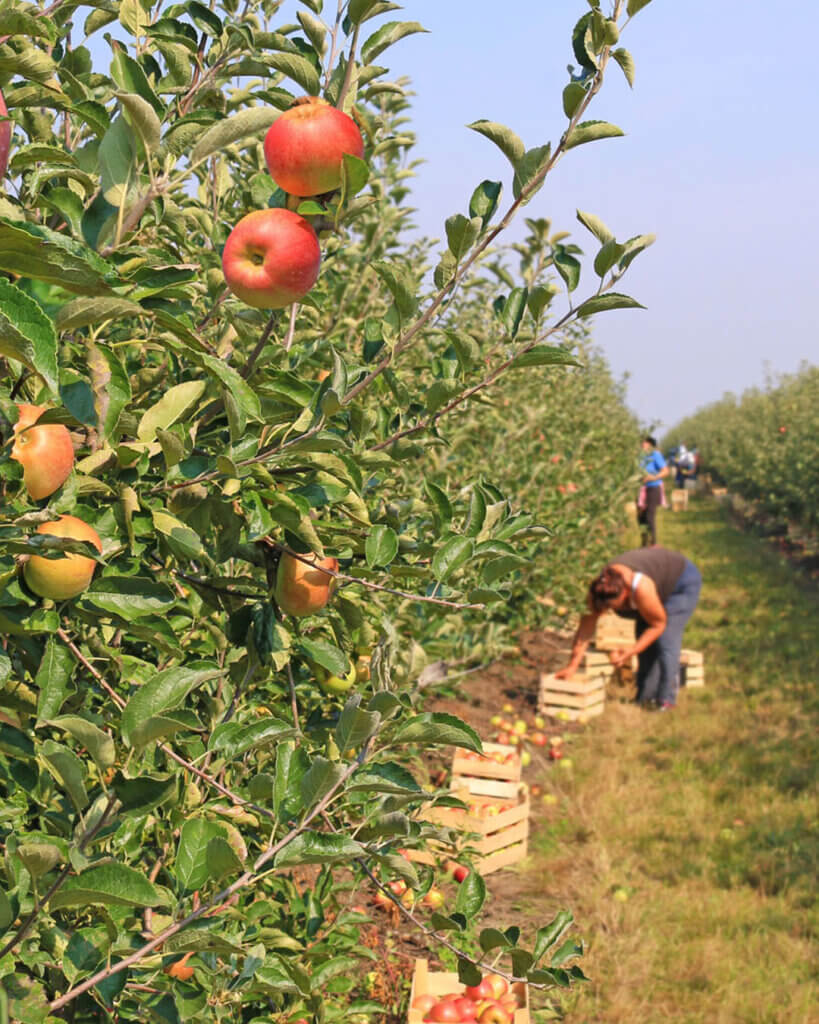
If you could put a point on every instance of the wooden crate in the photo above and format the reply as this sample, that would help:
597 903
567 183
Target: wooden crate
468 765
719 492
692 668
679 499
613 632
576 699
502 839
440 983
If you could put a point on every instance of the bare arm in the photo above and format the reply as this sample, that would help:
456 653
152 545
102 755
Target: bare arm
582 639
652 612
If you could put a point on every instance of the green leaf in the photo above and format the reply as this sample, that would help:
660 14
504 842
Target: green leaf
318 848
485 201
573 96
232 739
633 247
68 770
355 726
568 267
300 69
130 597
582 44
591 131
504 138
173 405
496 568
530 166
545 355
117 158
96 310
626 62
388 778
551 934
165 691
53 679
540 297
471 895
109 884
181 539
567 951
513 310
98 743
325 654
141 795
359 9
111 385
319 779
385 36
633 6
221 858
39 858
610 300
253 121
606 258
491 938
315 31
32 250
461 233
143 117
130 77
190 868
14 743
596 226
435 728
381 546
14 22
355 173
468 973
26 333
453 554
467 349
401 285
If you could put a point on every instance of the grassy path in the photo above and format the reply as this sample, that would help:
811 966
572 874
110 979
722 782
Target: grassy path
688 846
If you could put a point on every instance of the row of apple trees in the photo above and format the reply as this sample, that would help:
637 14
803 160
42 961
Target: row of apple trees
759 444
173 782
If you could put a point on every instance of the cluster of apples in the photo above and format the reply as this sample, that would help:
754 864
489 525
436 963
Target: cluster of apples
47 456
517 734
272 256
498 756
489 1002
433 898
476 809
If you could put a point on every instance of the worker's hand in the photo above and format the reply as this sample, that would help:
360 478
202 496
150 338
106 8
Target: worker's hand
618 658
567 672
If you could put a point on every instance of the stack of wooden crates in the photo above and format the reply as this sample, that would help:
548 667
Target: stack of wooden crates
497 808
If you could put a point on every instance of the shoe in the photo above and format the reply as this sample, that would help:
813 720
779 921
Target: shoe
666 706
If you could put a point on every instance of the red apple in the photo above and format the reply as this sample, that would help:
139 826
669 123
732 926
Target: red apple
305 146
555 753
539 739
483 990
466 1008
495 1013
271 258
424 1003
434 898
459 872
61 578
303 588
499 985
45 453
445 1010
179 969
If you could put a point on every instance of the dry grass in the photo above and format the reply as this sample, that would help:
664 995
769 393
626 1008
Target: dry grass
705 819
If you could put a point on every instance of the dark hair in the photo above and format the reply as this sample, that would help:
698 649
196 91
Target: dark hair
608 586
650 440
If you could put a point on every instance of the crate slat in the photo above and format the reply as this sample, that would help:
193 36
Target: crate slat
574 714
580 683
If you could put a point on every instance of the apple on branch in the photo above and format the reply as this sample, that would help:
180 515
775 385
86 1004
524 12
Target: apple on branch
67 576
45 452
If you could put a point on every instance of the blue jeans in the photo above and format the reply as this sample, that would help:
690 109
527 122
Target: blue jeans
658 675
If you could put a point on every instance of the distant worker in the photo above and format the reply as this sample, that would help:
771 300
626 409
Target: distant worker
652 494
686 465
660 589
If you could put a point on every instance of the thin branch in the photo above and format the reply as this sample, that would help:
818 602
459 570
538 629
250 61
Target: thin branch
247 369
291 327
247 879
368 584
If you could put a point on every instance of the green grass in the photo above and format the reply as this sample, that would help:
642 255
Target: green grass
707 817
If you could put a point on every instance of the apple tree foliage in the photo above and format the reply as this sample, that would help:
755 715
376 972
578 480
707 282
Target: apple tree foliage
173 780
762 445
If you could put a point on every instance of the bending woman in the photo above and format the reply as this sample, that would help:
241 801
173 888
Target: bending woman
660 589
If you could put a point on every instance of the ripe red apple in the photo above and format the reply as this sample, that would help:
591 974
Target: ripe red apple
302 588
5 139
424 1003
305 146
61 578
539 739
445 1010
556 752
483 990
45 453
459 872
499 985
271 258
466 1008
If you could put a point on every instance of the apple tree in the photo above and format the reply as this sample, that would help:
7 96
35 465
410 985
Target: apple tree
196 783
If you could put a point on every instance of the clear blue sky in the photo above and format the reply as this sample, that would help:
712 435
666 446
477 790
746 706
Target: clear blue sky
720 161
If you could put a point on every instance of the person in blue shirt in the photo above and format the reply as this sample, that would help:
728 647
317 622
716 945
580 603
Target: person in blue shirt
651 495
